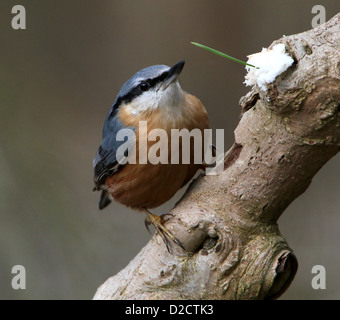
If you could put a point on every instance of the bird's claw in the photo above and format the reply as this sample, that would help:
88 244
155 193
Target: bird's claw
158 223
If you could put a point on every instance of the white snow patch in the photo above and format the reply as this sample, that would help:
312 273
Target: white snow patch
269 64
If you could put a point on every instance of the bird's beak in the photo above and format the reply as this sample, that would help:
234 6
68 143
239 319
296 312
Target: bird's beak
173 74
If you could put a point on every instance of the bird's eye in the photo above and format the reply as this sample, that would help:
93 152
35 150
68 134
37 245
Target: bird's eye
144 86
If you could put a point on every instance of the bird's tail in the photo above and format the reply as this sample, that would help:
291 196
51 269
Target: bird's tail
105 199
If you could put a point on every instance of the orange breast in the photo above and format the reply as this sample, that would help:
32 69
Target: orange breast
148 185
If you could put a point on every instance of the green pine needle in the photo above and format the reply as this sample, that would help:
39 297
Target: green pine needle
222 54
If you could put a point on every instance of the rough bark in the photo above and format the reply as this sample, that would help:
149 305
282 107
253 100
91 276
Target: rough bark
229 222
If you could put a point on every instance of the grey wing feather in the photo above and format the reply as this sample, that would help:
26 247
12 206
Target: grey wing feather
107 160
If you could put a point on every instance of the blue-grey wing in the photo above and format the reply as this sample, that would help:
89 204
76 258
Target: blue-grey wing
117 143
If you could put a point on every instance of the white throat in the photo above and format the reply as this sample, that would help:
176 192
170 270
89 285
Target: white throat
170 100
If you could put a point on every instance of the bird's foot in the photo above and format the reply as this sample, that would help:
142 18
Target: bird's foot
158 223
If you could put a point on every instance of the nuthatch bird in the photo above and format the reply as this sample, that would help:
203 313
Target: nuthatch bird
153 95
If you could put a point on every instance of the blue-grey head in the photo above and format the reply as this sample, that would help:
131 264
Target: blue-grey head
150 88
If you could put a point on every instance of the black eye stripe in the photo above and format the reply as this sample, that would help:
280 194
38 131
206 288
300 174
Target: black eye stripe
137 91
144 86
152 82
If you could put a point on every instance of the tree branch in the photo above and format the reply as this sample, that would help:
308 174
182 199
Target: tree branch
228 222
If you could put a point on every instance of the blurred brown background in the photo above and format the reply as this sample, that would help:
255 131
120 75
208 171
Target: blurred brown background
58 80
